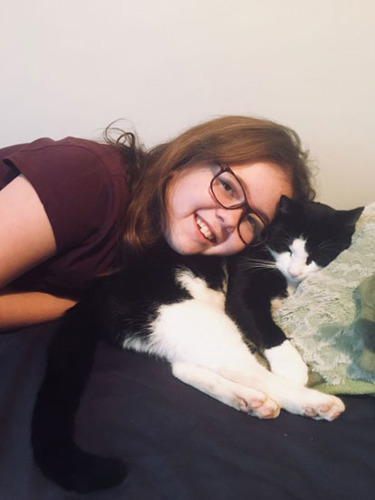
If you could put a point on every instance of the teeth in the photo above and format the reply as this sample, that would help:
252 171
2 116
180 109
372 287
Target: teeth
204 229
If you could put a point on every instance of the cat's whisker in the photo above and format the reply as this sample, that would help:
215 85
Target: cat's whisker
327 245
250 264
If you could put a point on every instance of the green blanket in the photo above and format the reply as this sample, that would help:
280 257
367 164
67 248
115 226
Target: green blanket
331 317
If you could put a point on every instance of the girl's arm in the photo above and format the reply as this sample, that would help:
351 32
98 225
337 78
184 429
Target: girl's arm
26 236
18 309
26 240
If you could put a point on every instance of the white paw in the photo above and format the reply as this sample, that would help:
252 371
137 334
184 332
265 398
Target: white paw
315 404
287 362
327 408
255 403
236 395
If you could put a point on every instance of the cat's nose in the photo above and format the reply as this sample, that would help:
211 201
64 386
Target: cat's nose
295 272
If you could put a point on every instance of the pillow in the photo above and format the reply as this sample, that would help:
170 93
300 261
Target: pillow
331 317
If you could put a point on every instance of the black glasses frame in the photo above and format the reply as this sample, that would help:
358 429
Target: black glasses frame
247 209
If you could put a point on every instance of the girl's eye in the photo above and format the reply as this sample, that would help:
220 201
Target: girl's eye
252 221
226 186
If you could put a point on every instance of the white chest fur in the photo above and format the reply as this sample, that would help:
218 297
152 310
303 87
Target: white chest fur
199 290
207 350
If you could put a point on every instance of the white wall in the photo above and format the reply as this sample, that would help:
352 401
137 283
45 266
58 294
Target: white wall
70 67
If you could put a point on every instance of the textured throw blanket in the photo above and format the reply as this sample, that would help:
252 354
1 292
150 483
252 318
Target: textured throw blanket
331 317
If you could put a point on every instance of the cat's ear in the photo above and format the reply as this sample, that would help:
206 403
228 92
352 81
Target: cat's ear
356 213
351 216
285 205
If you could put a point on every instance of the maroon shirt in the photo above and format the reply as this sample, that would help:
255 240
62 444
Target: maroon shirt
82 186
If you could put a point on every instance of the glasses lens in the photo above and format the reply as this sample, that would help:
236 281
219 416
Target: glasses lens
227 190
229 193
251 229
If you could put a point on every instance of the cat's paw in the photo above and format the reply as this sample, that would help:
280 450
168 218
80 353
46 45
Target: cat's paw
287 362
316 405
256 404
236 395
328 408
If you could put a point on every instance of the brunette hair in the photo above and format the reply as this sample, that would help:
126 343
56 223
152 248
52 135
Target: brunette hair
229 140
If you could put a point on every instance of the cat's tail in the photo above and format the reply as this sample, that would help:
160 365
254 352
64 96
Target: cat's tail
69 363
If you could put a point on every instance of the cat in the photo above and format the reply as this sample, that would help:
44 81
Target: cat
303 238
172 306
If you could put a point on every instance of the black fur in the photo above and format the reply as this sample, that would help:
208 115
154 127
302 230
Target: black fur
121 307
251 287
115 308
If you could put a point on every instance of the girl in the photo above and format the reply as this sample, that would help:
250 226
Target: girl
72 209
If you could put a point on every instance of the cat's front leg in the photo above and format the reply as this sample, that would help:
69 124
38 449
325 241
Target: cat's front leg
290 396
197 339
240 397
194 333
287 362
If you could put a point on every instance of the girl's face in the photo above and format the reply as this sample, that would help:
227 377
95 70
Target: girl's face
196 223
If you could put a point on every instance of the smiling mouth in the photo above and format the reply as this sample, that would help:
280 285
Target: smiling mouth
205 230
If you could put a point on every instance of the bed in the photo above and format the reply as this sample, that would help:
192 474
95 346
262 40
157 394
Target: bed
180 444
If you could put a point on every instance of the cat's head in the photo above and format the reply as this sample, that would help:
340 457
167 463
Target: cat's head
306 236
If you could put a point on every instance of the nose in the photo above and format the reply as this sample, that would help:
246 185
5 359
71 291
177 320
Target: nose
229 219
295 271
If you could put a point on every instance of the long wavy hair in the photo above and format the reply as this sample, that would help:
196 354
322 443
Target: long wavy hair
233 140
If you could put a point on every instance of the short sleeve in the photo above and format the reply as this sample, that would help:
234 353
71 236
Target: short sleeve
83 188
7 171
71 184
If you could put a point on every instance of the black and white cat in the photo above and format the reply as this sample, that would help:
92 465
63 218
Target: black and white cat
172 306
303 238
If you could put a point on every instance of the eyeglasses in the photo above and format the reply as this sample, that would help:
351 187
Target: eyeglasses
227 190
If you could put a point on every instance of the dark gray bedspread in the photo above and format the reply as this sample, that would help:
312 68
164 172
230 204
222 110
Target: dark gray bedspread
178 443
